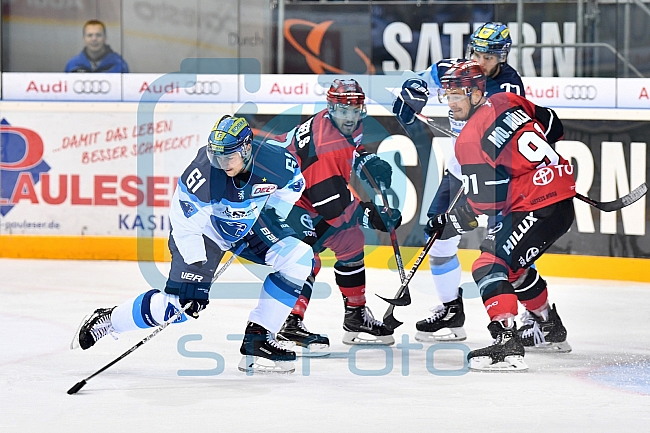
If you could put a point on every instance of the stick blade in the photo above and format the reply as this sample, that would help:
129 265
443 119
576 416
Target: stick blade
635 195
390 321
618 204
77 387
401 301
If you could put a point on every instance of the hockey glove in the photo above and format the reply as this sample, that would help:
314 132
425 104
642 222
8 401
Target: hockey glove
411 100
379 169
462 218
374 219
195 294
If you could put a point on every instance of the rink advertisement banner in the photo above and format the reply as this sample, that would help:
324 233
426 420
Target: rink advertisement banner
73 173
412 37
321 39
89 174
555 92
18 86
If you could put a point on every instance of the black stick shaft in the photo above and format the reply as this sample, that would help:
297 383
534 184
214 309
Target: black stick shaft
171 320
380 189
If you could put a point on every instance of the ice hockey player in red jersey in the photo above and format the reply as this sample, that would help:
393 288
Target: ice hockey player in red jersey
328 215
510 170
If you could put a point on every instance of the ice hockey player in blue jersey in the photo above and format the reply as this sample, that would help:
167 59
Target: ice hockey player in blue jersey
235 192
489 45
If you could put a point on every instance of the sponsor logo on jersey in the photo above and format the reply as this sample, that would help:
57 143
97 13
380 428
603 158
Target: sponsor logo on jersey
231 213
519 232
493 304
263 189
543 176
306 221
531 254
497 227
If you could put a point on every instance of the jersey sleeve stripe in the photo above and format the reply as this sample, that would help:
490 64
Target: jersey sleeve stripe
327 200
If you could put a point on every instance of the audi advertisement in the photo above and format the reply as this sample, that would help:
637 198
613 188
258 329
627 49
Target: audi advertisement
61 87
552 92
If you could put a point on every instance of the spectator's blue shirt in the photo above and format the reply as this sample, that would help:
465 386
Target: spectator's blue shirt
111 62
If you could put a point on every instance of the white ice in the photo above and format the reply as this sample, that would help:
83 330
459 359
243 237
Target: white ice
603 385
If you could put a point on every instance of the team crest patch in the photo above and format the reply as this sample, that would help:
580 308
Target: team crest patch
263 189
188 208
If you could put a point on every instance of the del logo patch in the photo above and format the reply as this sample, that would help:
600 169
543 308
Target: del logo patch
263 189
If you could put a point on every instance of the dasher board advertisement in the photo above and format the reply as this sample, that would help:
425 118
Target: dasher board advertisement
102 173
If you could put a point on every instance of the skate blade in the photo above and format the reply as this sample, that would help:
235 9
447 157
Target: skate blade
549 347
259 365
442 335
513 363
314 350
74 344
361 338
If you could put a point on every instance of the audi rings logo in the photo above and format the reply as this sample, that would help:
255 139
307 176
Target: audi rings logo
581 92
91 87
203 88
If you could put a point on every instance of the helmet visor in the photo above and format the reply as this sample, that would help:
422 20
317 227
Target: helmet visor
219 159
345 112
446 96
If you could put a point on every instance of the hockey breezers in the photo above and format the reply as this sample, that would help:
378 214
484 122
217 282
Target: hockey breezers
389 319
606 206
171 320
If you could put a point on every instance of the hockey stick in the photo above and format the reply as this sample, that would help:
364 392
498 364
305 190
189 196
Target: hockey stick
381 190
406 299
607 206
171 320
389 319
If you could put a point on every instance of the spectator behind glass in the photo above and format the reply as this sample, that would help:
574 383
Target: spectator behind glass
96 56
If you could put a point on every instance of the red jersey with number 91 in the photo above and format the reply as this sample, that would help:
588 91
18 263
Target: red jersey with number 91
506 159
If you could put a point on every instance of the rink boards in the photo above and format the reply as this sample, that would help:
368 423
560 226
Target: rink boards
93 180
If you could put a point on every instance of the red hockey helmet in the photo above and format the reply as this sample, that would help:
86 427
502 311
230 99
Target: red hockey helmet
347 92
346 105
464 75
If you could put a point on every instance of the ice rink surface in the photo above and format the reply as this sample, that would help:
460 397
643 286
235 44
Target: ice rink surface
176 382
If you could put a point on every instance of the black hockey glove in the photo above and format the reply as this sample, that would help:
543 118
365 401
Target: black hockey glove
195 294
463 219
379 169
411 100
372 218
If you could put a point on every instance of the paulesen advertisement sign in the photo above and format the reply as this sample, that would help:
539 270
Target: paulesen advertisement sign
296 89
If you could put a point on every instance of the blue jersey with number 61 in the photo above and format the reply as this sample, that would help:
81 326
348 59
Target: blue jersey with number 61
207 202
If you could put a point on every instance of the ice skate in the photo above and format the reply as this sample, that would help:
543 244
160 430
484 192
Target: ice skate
446 323
92 328
263 354
506 353
295 333
362 328
538 335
